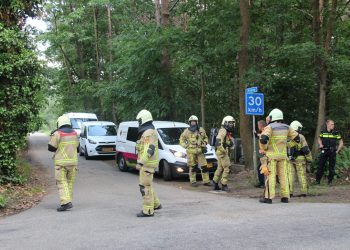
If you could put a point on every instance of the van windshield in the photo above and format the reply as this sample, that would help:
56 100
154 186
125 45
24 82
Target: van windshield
106 130
170 136
76 122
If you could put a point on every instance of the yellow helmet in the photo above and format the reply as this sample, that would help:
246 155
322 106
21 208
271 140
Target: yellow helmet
297 126
193 118
144 116
63 120
276 115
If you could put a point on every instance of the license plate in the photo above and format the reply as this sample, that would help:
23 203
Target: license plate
210 165
107 149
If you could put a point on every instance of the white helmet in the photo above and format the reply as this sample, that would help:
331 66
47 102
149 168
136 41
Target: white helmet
144 116
63 120
276 115
228 123
193 118
297 126
228 119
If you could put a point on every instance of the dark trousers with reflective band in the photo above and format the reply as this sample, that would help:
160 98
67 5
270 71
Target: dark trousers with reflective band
330 156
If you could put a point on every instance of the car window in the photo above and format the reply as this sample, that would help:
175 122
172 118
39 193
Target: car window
76 122
132 134
170 136
102 130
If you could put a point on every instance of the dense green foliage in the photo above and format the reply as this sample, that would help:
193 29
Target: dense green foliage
343 164
202 41
21 83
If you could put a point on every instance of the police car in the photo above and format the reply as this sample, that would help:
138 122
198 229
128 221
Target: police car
172 157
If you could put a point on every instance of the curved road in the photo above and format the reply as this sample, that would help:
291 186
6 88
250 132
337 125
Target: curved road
106 202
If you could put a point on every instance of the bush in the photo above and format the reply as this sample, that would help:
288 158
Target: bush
342 167
2 201
20 97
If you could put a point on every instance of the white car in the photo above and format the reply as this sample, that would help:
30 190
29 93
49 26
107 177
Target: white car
172 157
97 138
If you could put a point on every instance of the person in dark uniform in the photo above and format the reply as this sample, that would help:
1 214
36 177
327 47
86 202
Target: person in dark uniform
330 143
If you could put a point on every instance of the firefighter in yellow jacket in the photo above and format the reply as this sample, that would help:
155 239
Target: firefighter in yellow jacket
64 143
224 141
147 162
195 140
273 141
300 155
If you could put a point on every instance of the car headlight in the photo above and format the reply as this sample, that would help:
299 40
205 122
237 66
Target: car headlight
178 154
91 141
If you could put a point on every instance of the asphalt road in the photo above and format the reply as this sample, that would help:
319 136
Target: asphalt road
106 202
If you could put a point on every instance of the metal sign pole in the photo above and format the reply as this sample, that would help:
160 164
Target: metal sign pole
254 145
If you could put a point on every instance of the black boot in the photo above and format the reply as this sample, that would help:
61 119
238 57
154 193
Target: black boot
284 200
65 207
159 207
194 184
291 195
265 200
225 188
216 186
141 214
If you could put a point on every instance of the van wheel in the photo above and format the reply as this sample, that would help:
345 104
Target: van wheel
87 157
121 163
166 171
80 151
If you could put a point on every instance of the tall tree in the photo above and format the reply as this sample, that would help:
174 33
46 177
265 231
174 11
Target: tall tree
323 51
243 62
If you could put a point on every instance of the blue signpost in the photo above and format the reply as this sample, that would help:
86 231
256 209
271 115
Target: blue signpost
254 105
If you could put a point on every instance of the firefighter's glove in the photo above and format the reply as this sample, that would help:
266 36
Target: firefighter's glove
264 170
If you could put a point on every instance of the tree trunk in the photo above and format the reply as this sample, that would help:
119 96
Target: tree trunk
98 70
96 46
78 48
321 67
110 57
202 98
243 61
157 7
166 90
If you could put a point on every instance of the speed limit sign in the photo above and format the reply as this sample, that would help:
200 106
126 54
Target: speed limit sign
254 104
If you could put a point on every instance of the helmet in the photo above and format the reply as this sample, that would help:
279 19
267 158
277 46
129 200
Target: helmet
63 120
193 118
276 115
297 126
144 116
228 123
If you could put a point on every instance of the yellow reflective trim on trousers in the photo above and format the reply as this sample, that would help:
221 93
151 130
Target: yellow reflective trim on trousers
286 178
148 207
